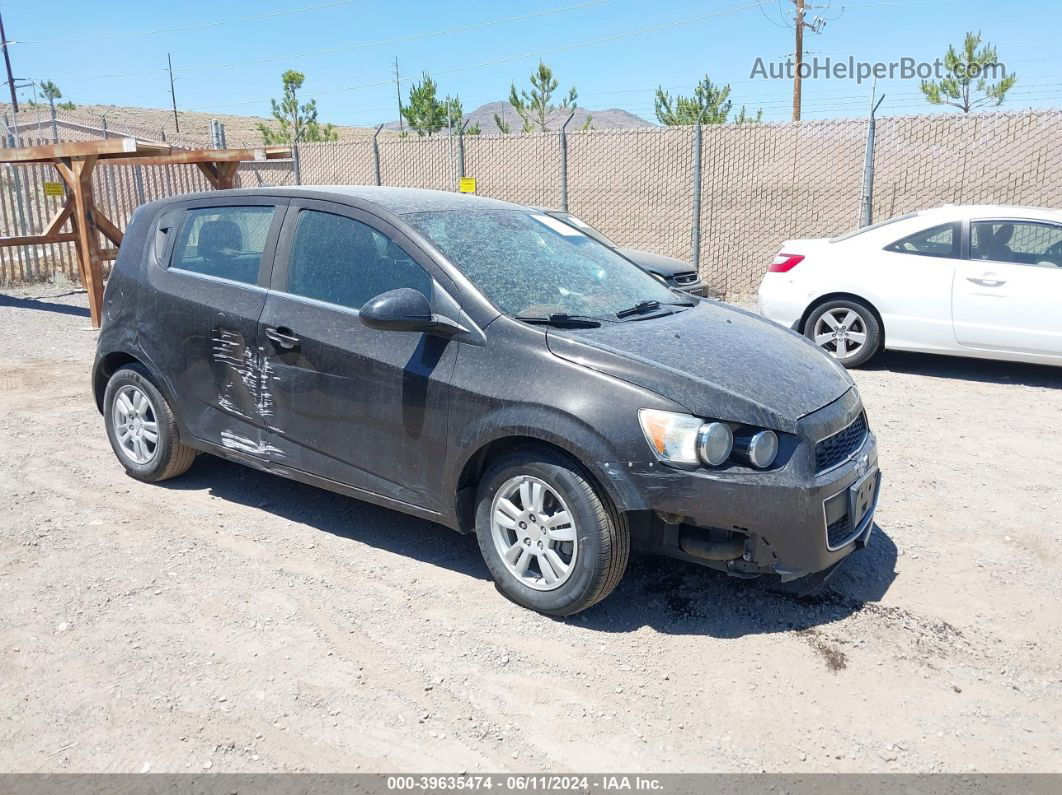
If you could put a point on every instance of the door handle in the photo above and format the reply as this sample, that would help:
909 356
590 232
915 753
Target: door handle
987 280
282 337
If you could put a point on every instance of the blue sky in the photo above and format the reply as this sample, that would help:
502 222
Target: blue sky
55 40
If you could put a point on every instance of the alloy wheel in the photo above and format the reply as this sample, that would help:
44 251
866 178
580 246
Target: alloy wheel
534 532
841 332
135 424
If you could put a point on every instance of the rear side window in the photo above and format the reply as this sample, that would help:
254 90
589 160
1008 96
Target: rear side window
342 261
226 242
937 241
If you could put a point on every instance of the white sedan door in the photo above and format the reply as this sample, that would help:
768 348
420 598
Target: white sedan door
1008 295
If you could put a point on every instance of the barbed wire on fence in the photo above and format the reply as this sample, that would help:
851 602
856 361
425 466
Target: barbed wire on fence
760 184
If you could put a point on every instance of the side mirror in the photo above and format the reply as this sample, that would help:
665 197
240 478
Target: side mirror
405 309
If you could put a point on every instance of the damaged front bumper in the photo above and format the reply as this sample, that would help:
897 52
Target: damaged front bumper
790 522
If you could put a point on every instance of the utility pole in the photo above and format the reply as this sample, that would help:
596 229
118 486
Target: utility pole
799 57
800 24
173 94
398 93
7 63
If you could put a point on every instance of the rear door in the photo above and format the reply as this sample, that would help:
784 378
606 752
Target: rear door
356 405
1007 295
199 322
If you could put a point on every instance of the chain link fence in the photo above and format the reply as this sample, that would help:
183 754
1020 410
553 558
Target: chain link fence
757 185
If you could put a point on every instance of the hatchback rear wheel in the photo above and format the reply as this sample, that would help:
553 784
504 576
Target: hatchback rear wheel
847 330
141 427
550 540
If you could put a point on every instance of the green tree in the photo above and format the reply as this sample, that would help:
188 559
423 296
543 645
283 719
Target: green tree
424 112
536 106
50 91
503 126
743 117
295 123
969 73
710 104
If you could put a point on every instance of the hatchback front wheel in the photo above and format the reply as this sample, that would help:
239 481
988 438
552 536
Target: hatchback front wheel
550 540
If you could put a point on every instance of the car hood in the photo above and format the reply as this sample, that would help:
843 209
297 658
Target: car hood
718 361
657 263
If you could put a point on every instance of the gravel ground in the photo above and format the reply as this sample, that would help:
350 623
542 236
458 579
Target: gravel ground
234 621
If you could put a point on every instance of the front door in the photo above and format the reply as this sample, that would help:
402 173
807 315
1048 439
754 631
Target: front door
356 405
209 271
914 276
1008 295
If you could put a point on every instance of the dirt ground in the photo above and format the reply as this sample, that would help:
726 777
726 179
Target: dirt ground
235 621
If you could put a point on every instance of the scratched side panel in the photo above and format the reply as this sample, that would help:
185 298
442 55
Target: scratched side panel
357 405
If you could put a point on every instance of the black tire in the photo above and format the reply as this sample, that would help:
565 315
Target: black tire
867 320
602 534
170 457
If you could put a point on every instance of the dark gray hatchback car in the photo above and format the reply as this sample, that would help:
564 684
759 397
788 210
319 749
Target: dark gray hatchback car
488 367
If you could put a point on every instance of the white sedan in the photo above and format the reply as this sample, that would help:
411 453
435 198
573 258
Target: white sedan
978 281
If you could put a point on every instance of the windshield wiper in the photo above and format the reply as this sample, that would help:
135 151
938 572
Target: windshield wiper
562 320
639 308
649 306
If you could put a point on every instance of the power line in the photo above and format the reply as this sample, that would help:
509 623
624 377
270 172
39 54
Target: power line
183 28
508 59
347 47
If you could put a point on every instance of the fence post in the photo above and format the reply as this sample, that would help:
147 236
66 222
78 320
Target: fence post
376 156
461 150
695 237
564 163
55 126
866 213
295 162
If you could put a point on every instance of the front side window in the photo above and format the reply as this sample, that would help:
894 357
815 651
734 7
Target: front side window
226 242
1020 242
937 241
530 264
342 261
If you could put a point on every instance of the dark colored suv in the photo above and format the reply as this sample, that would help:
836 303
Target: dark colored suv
485 366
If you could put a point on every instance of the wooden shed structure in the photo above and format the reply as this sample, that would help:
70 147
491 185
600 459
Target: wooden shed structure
75 161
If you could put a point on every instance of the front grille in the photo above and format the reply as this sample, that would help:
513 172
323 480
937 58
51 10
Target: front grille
837 449
838 532
685 278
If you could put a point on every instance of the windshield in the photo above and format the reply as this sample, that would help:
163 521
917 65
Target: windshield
585 228
531 265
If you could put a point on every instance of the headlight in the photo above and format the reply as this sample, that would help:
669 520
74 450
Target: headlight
759 449
686 440
672 436
715 441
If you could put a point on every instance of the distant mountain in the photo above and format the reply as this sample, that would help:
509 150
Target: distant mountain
610 119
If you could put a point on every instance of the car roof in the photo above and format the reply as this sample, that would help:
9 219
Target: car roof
395 200
985 210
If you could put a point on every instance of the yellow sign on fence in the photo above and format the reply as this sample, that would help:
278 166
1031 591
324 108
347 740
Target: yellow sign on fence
53 188
468 184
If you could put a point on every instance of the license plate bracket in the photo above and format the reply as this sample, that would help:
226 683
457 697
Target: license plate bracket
861 497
